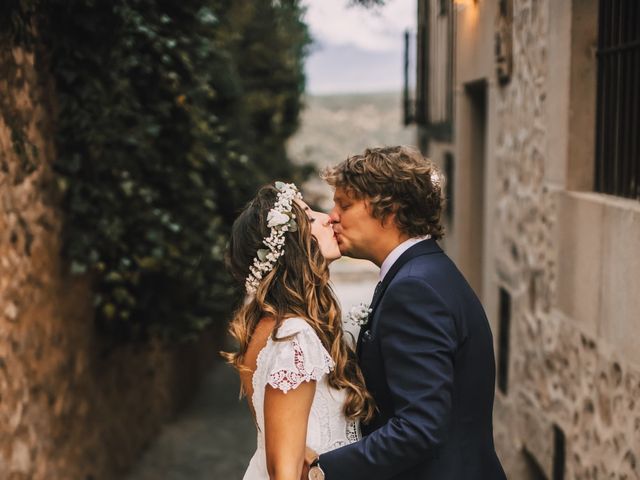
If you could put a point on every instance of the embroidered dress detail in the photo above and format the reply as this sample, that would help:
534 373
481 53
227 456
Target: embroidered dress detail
353 432
297 355
286 379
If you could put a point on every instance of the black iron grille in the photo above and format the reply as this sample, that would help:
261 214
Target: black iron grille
618 111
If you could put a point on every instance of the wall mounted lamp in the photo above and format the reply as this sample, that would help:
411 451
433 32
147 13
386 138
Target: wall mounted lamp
460 4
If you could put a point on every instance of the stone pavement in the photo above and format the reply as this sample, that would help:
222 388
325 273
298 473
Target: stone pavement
214 438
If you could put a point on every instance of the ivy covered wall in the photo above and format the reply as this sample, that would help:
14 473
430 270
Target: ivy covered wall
168 116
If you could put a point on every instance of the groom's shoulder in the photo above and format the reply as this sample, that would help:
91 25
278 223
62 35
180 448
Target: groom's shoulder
427 265
436 271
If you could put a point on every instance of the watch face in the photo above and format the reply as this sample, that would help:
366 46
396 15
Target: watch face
316 473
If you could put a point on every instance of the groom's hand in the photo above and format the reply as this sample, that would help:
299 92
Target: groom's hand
309 456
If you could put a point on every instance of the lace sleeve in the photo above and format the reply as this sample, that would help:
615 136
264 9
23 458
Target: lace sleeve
299 357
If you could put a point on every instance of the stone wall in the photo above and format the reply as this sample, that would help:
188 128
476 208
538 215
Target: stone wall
564 382
67 410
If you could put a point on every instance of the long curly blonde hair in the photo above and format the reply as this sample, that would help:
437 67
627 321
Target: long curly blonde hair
298 286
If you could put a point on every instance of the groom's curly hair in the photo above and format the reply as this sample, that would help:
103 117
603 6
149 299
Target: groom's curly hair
394 180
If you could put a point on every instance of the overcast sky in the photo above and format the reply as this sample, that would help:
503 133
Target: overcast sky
357 49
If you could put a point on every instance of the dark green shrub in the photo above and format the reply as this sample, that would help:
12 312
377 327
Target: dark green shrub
169 115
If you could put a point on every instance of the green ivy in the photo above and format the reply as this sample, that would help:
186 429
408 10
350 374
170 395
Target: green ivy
169 116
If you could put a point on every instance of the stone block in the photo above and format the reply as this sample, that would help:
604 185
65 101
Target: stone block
20 458
579 258
536 432
557 89
620 308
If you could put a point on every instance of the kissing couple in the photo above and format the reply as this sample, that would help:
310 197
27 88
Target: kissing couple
414 399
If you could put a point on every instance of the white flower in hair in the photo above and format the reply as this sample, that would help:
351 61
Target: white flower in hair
280 220
275 218
435 178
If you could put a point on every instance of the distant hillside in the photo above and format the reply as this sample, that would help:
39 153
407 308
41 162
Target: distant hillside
336 126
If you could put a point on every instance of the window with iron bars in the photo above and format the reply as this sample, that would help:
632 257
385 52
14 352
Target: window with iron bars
434 46
617 169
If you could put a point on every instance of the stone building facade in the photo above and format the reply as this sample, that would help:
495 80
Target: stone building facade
66 410
507 96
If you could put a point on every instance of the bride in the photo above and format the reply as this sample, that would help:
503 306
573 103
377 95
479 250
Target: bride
300 376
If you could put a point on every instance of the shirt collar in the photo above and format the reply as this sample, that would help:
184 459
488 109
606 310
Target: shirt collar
395 254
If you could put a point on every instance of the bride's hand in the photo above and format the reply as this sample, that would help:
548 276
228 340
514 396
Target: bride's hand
309 456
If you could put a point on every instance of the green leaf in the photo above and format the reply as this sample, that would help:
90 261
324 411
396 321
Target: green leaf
113 277
148 263
109 310
78 268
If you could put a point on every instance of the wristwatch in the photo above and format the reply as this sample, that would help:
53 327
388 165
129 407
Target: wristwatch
315 471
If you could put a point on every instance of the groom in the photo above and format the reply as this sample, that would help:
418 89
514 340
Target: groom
427 351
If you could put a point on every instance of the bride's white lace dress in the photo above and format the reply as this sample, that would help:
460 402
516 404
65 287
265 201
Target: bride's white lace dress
298 356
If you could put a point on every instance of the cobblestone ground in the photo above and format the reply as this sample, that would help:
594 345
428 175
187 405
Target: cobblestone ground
214 438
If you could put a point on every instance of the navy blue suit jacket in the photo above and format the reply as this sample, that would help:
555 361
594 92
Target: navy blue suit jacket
427 359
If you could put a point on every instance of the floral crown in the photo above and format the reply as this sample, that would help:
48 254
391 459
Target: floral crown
280 220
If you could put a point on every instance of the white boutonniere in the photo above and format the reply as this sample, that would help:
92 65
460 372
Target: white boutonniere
359 315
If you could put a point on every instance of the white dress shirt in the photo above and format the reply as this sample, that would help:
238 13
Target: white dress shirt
395 254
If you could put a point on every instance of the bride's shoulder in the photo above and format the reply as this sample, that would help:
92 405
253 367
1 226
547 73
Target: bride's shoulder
292 326
297 355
